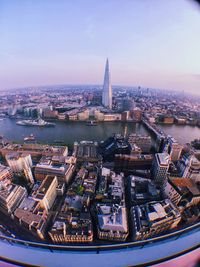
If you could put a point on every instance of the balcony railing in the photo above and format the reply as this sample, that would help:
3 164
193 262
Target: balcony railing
98 248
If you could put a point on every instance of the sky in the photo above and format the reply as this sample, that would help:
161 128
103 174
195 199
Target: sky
149 43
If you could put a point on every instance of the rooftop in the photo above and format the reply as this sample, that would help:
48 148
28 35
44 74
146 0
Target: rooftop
163 159
44 187
16 155
142 189
153 213
112 218
186 184
57 150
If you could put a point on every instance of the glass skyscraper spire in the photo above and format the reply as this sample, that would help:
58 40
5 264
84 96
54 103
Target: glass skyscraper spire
107 88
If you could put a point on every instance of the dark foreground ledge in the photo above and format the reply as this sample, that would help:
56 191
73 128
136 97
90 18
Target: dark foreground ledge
147 252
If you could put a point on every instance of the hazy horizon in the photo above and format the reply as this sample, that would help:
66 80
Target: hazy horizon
151 44
85 85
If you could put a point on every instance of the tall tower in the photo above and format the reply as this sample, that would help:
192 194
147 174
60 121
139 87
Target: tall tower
160 168
107 88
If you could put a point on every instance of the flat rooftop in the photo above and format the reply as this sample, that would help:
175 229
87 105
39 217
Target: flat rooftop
112 218
44 186
163 158
35 147
186 183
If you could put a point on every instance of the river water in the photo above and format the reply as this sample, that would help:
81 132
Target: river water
68 132
182 133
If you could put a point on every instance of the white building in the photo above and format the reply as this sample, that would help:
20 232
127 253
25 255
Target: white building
18 161
172 193
21 163
112 222
84 115
47 192
174 149
112 117
99 115
56 166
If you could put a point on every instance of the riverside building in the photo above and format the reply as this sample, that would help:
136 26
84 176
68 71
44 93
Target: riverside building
35 150
86 151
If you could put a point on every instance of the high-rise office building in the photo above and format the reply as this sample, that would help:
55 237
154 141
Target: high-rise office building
173 148
160 167
107 88
21 163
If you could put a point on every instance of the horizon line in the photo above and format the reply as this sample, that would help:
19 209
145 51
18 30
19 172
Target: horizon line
88 84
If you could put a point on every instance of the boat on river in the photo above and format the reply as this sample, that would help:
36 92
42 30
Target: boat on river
31 137
37 122
91 123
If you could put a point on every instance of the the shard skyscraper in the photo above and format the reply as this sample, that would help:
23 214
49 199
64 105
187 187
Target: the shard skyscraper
107 88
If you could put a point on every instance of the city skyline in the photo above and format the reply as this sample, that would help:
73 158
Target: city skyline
56 43
73 170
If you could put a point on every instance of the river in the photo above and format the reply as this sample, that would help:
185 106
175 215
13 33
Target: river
182 133
68 132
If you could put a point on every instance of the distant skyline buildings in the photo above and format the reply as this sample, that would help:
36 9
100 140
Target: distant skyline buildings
152 44
107 88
